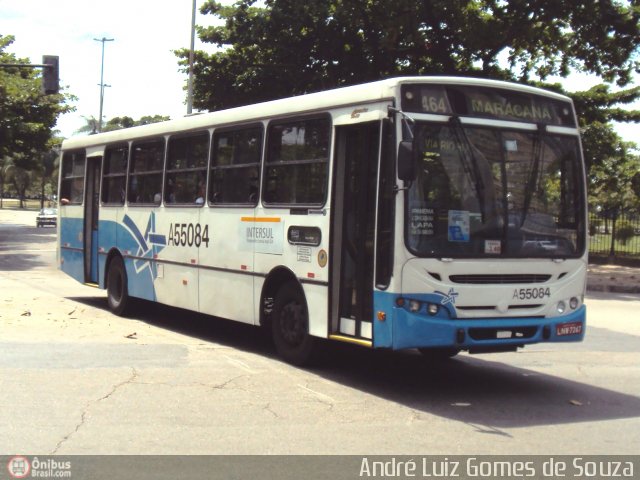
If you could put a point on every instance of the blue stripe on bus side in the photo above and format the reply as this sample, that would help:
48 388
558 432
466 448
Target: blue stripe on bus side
128 240
71 232
141 272
71 248
383 331
133 228
107 239
72 263
157 239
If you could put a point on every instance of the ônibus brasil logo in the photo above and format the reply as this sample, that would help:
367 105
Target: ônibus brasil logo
19 467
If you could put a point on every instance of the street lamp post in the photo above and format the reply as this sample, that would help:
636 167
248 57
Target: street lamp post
102 85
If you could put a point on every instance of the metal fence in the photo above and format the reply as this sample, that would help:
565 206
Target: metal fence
617 236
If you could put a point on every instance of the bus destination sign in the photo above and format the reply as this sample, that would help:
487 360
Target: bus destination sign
486 102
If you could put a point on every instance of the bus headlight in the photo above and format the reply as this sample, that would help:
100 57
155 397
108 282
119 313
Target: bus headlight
432 309
561 307
414 306
573 303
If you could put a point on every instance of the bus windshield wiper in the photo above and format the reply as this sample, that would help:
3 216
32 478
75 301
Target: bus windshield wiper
467 157
533 176
407 121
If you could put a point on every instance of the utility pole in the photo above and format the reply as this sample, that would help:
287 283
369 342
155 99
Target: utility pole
102 85
191 55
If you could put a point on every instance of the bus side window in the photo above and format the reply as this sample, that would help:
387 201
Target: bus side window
72 184
145 172
114 175
186 176
297 163
235 166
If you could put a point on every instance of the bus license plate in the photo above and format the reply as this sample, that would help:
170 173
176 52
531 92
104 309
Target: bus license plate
573 328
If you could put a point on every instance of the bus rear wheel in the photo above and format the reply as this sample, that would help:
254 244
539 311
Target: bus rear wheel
117 287
290 325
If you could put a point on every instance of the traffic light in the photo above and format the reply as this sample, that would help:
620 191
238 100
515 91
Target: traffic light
50 74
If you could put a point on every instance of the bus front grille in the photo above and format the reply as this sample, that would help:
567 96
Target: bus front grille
500 278
533 306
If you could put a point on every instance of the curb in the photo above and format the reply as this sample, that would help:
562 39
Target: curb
613 288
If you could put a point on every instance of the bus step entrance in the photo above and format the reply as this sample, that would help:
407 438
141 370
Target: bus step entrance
354 331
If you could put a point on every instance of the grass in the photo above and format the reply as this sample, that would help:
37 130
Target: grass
14 204
601 243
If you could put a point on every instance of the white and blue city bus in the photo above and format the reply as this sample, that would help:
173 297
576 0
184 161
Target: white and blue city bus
438 213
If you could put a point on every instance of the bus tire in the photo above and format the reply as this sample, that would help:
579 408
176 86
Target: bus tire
290 325
439 354
117 287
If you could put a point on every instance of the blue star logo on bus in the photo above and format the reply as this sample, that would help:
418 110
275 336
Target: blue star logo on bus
448 298
149 244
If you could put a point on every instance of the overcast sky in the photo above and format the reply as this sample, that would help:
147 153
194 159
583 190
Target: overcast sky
139 64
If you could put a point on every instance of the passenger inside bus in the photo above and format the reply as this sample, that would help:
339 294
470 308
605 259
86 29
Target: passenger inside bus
201 193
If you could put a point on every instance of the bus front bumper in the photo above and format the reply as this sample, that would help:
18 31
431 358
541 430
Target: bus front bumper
410 330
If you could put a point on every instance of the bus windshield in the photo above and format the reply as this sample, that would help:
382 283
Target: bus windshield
489 192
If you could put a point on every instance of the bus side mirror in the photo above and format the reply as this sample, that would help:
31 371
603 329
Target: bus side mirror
406 163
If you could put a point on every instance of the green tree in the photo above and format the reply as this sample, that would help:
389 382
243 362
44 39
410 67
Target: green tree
27 121
288 47
148 119
45 174
613 174
118 123
600 104
27 116
90 126
20 177
5 164
612 165
596 109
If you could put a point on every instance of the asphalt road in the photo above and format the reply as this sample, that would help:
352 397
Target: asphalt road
75 379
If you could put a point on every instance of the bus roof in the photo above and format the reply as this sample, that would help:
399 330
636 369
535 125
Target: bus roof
307 103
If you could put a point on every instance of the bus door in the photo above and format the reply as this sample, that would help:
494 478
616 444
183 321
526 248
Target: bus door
354 211
90 230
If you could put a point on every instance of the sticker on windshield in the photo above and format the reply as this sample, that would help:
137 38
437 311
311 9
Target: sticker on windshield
458 226
422 220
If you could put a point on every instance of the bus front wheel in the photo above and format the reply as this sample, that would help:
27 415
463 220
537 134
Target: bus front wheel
117 288
290 325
